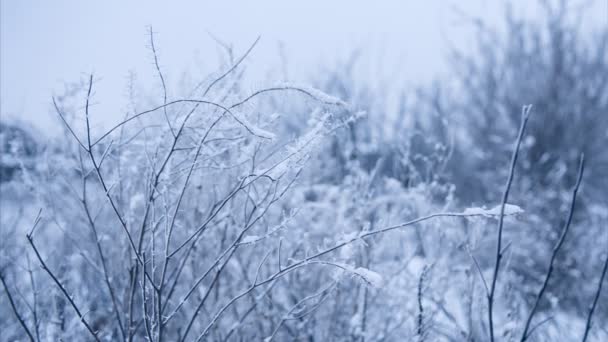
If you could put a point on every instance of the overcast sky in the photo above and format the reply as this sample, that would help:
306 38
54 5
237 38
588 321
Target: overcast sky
46 43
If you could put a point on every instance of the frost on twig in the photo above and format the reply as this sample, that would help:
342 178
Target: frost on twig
368 276
510 210
253 129
371 277
314 93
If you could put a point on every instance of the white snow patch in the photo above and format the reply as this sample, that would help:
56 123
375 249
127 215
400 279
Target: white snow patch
136 201
348 237
416 265
315 93
369 276
253 129
250 239
510 209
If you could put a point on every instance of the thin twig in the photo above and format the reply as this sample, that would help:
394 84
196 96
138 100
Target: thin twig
61 288
219 106
15 311
288 315
505 197
595 300
420 323
162 80
105 187
102 257
144 301
232 68
67 125
35 298
539 324
556 249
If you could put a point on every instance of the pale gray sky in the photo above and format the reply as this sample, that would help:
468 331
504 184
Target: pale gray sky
45 43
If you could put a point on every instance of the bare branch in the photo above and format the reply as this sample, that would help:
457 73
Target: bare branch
106 273
420 322
133 117
556 249
524 120
15 311
162 80
595 300
288 316
483 279
217 80
62 288
67 125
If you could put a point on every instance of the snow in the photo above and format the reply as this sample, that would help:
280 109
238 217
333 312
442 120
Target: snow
253 129
315 93
136 201
510 209
299 150
370 276
373 278
250 239
416 265
348 237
